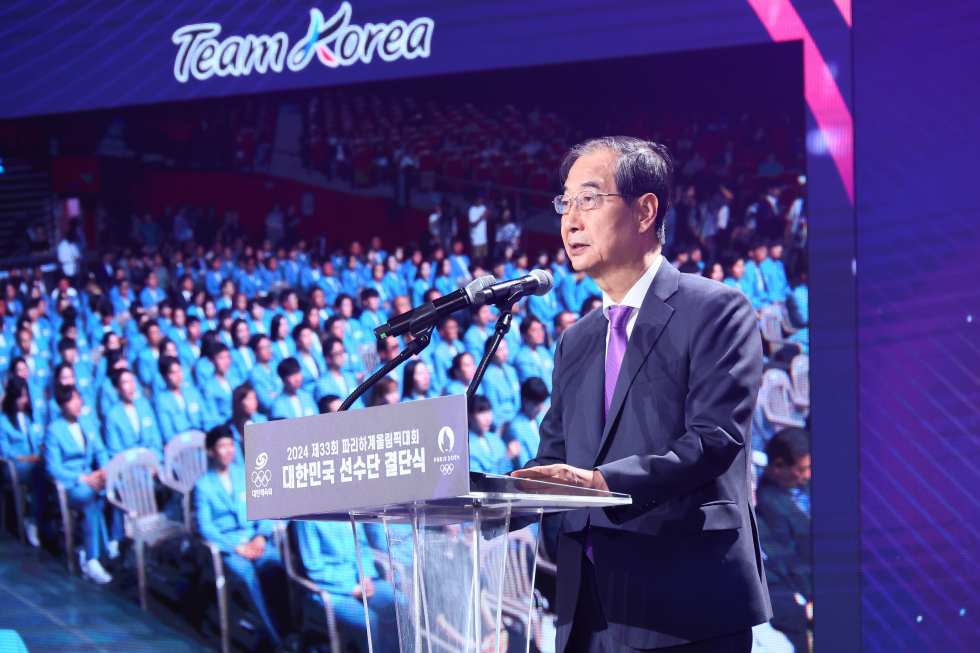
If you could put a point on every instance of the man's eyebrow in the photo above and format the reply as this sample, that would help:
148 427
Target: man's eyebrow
584 184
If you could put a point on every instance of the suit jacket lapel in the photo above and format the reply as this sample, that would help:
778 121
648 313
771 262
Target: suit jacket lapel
593 374
650 323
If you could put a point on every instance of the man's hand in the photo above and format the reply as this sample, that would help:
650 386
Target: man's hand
253 549
95 480
29 459
565 475
365 587
513 449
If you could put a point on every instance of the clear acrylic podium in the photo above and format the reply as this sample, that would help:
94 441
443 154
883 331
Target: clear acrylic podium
463 568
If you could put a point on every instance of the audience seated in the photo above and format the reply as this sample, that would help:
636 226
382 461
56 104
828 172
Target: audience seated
247 547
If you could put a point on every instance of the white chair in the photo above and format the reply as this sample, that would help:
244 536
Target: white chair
772 327
185 459
777 400
67 524
369 356
130 488
303 619
799 370
13 483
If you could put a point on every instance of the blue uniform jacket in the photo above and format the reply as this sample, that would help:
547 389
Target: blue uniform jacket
172 418
220 517
217 400
267 386
525 431
331 385
329 556
63 459
283 407
14 442
501 386
488 454
535 362
119 433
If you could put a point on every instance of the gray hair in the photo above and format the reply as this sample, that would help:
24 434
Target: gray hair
643 167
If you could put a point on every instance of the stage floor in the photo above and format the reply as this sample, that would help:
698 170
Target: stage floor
54 611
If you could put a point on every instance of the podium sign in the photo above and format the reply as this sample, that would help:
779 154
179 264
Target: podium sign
415 451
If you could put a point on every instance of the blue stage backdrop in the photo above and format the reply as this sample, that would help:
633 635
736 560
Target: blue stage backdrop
918 118
72 55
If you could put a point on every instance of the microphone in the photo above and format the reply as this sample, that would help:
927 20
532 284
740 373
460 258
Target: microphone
429 314
539 282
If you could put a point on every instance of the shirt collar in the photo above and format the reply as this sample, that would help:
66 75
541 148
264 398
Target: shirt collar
634 298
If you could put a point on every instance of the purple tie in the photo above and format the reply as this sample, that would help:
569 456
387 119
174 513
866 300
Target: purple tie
618 317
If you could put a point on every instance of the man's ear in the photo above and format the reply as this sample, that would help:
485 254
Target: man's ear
645 208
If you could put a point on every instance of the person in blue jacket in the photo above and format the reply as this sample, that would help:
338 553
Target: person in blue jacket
445 281
480 330
328 282
147 365
75 456
523 428
131 422
488 453
392 281
21 441
242 357
351 277
281 339
294 401
754 282
152 294
461 373
217 389
311 361
421 285
244 411
416 382
735 272
444 351
534 359
373 315
247 547
264 377
214 278
500 385
335 380
774 273
180 407
330 559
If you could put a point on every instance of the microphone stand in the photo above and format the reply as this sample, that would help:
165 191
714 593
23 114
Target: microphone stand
422 338
499 331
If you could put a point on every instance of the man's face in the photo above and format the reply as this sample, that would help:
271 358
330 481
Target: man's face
402 305
127 387
566 320
24 340
791 476
153 335
450 331
759 254
503 352
776 252
391 347
294 381
222 362
605 236
223 452
74 406
175 376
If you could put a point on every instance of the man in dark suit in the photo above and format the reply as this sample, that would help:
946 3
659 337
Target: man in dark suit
784 524
653 396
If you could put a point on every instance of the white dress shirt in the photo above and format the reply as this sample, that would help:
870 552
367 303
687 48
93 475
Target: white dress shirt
134 417
634 298
76 432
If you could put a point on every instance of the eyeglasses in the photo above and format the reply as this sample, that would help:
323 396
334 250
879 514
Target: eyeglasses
586 201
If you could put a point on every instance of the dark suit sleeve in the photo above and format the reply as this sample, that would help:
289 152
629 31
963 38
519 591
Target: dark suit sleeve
551 450
723 385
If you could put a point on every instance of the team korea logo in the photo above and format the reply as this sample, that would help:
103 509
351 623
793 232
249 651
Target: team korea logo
334 41
260 476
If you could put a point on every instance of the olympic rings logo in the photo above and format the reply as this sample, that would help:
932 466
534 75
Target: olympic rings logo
261 479
446 469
